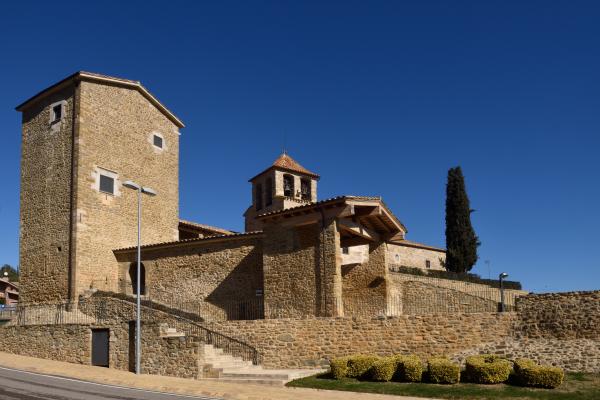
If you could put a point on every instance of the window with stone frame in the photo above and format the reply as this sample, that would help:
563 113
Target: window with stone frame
288 185
107 184
259 197
157 141
305 189
57 111
269 192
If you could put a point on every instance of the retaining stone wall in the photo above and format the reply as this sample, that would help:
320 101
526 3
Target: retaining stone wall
570 315
70 343
293 343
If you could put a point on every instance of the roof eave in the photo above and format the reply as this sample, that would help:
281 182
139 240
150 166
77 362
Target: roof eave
80 76
317 177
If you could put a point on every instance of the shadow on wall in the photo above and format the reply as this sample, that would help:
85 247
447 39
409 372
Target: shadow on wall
239 295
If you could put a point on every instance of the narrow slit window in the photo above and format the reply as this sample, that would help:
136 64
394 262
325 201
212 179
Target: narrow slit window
57 113
259 197
158 141
269 192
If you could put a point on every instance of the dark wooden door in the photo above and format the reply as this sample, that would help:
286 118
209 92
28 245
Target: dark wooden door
100 347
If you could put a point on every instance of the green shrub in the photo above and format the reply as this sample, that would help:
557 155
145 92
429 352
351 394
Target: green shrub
359 365
383 369
339 367
487 369
529 373
408 369
442 370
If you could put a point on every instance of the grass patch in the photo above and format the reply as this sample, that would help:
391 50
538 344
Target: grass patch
576 386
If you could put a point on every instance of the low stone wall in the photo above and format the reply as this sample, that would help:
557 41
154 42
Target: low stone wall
168 356
398 279
569 315
294 343
423 298
70 343
573 355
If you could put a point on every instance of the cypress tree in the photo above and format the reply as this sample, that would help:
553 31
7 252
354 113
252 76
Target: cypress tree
461 241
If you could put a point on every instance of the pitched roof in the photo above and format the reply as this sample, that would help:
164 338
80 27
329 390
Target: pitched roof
287 163
191 241
99 78
334 200
410 243
203 227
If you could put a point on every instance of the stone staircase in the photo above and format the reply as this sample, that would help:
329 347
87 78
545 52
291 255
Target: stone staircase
226 368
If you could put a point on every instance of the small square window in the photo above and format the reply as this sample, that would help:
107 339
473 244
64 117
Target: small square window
158 141
107 184
57 113
345 250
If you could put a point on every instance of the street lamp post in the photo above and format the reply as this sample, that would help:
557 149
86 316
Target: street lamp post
138 325
502 276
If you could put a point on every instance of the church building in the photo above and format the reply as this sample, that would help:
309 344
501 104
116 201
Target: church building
84 137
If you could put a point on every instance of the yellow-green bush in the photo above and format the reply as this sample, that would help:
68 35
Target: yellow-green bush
359 365
339 367
383 369
408 369
487 369
529 373
442 370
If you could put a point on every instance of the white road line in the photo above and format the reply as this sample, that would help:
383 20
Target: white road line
110 386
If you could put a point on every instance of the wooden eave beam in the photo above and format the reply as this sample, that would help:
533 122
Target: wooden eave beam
358 230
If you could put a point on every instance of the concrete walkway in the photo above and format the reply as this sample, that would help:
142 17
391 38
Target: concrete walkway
178 385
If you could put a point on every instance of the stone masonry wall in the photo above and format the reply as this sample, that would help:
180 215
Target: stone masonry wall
414 257
291 270
294 343
46 151
398 280
422 298
570 315
116 126
364 286
209 277
161 355
70 343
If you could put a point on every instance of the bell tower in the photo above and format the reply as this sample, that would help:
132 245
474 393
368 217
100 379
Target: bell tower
285 184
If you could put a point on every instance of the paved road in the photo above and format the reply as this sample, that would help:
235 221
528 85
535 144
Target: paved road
20 385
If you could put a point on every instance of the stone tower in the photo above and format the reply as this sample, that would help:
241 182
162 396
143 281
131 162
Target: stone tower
285 184
81 139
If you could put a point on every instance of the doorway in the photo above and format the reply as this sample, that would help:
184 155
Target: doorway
100 347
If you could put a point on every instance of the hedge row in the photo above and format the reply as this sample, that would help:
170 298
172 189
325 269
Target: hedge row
487 369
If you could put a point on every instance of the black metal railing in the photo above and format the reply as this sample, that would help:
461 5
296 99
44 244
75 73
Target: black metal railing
184 321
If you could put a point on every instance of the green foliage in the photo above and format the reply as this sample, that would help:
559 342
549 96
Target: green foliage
339 367
442 370
408 369
487 369
461 241
359 365
383 369
529 373
13 274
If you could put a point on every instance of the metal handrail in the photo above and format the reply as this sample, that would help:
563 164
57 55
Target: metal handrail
229 344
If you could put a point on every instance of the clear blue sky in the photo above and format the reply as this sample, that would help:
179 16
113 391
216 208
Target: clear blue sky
380 98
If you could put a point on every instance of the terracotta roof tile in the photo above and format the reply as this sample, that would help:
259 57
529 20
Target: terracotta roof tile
285 162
